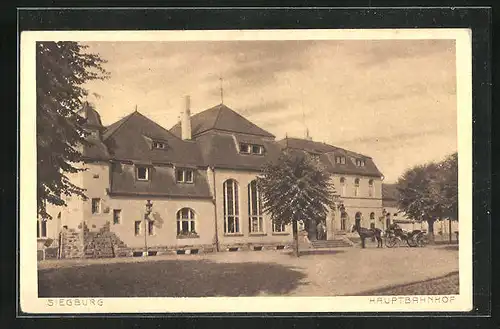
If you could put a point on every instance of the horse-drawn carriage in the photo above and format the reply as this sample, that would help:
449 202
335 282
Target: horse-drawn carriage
395 234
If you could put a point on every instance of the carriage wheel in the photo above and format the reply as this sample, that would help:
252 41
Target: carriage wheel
411 242
390 241
422 240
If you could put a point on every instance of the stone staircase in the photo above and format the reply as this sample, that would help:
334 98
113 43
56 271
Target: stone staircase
335 243
104 244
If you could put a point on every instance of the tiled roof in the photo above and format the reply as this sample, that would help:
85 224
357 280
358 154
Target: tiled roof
131 137
161 183
389 191
130 140
316 147
389 195
327 157
221 118
95 151
220 150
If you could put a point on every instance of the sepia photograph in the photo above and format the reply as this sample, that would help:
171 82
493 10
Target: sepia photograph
247 165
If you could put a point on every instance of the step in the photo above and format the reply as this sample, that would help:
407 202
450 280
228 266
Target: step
330 244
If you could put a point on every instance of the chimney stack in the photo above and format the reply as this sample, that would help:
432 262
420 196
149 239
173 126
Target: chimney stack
186 120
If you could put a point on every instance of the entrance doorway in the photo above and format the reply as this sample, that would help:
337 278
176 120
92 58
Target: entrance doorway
343 221
357 219
321 230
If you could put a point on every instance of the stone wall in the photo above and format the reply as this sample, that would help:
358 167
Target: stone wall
71 244
103 244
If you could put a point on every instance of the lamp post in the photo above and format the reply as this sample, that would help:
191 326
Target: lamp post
149 207
384 222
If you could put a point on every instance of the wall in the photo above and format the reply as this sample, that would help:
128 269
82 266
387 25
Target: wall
164 213
244 237
363 202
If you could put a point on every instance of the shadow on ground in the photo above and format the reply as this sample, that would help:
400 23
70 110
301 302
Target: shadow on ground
169 278
444 285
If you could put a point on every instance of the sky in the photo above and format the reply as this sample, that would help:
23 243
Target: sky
392 100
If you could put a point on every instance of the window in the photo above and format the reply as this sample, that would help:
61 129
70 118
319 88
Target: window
278 227
370 187
314 157
158 145
340 159
356 187
372 216
185 175
96 206
151 227
257 149
231 207
254 209
117 216
360 162
342 186
251 149
142 173
185 221
244 148
137 227
41 228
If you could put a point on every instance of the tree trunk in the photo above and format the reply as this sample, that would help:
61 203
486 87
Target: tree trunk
295 237
430 226
449 228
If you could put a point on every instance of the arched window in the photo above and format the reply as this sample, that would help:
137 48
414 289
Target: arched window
356 187
231 207
255 224
372 216
342 186
186 222
370 188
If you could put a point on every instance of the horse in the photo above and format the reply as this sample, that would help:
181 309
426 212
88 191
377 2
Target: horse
368 233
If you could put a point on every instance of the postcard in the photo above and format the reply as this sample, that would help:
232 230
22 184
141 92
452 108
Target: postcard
245 171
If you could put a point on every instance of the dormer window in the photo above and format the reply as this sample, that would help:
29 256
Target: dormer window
185 175
314 156
340 159
251 149
244 148
257 149
360 162
142 173
158 145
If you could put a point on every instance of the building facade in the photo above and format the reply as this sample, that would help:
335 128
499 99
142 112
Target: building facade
200 180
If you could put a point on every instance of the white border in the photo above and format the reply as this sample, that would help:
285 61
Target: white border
28 292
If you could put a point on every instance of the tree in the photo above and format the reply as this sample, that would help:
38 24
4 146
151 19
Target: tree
296 187
61 70
430 192
448 189
417 191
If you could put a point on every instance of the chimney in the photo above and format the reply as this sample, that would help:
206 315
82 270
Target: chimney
186 121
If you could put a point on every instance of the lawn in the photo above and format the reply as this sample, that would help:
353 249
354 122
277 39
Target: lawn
348 271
